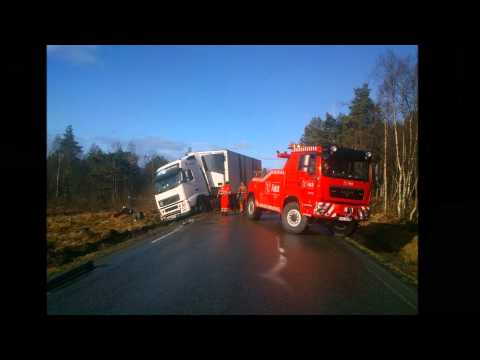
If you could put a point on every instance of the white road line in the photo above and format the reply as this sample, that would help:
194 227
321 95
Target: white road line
278 242
170 233
282 261
280 249
391 288
272 274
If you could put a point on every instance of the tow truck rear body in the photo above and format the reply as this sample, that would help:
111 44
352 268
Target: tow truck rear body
317 183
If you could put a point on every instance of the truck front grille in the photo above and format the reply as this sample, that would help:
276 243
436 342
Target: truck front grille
171 208
173 214
169 200
346 193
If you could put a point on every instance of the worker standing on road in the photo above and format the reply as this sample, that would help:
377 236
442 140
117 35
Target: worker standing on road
242 196
224 193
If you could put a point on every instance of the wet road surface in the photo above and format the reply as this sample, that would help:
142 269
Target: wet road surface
231 265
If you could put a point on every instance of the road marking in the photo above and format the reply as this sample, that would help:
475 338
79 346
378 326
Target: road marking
272 274
280 249
170 233
282 261
391 288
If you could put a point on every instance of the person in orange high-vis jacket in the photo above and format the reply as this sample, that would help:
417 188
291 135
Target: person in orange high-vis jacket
224 193
242 196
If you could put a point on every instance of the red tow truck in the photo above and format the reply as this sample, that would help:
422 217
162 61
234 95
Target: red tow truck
318 183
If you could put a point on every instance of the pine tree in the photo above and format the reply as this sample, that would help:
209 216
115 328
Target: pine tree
70 153
362 107
330 128
69 146
360 120
98 174
319 132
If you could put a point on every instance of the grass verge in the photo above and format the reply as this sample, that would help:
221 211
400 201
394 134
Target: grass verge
385 262
392 243
73 239
52 271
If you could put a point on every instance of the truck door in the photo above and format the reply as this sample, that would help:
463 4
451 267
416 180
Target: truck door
190 185
307 180
199 183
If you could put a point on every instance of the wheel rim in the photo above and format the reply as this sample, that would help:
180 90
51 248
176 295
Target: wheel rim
251 207
294 217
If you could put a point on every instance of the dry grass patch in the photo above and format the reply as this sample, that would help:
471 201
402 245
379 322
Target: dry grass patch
395 242
71 236
409 253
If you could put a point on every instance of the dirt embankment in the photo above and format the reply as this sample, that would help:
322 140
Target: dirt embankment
394 241
72 236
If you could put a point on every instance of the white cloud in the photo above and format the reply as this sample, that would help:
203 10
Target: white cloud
77 54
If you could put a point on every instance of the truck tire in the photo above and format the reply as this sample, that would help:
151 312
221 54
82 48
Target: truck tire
202 205
253 212
343 228
292 219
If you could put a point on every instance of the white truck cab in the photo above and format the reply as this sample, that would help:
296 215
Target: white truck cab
178 186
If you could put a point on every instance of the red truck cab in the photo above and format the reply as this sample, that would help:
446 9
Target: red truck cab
317 183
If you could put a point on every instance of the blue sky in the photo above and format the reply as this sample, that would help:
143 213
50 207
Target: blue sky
250 99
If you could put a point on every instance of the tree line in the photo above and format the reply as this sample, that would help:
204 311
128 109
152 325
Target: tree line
98 179
388 127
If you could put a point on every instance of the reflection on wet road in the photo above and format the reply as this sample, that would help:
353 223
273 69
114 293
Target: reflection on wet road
230 265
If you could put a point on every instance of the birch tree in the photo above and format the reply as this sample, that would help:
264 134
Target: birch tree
398 99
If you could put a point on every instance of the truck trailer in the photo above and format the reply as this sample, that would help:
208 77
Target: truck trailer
318 183
189 184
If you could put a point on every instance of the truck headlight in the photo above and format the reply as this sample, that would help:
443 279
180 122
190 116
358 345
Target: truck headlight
333 148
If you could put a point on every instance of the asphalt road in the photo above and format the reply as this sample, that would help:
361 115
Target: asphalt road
230 265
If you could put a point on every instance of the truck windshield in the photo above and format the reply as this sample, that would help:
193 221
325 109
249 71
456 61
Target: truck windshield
167 179
345 168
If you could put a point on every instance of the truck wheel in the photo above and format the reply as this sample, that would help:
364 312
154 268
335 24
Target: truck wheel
292 219
253 212
343 228
202 205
